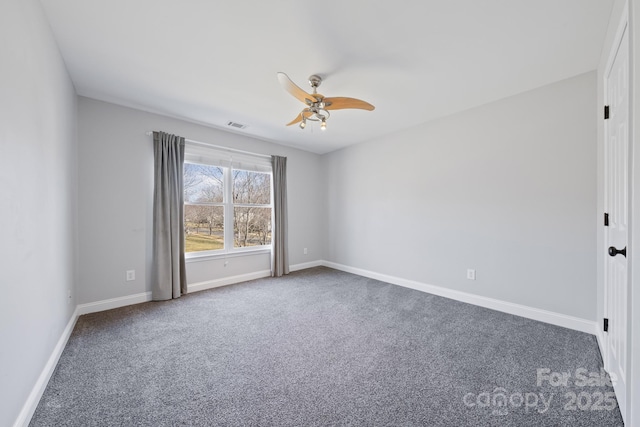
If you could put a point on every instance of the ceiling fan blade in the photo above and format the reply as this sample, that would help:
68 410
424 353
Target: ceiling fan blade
340 103
295 90
298 119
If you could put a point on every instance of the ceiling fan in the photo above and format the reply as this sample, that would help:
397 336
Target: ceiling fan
317 106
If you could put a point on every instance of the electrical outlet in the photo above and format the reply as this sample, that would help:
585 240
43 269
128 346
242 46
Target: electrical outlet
131 275
471 274
305 251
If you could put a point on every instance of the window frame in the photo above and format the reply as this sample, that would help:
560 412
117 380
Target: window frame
229 249
229 214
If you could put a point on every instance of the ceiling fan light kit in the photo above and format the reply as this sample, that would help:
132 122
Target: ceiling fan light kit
317 109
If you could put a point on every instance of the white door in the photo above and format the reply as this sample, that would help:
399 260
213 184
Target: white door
617 206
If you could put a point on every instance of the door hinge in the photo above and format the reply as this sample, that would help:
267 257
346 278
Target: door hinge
606 219
606 112
605 326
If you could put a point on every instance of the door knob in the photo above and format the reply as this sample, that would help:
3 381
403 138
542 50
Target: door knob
613 251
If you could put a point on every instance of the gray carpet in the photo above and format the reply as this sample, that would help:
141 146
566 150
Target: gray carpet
321 347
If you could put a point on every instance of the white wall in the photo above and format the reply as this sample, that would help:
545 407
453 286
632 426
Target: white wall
115 200
38 191
508 189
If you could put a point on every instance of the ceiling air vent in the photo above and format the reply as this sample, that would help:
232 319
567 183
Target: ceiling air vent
236 125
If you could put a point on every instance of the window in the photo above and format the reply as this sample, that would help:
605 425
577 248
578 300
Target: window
251 208
203 207
227 201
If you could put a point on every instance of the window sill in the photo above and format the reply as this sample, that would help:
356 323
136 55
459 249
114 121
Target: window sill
222 255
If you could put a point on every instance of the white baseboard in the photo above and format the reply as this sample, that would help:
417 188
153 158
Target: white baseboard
111 303
209 284
306 265
108 304
553 318
37 391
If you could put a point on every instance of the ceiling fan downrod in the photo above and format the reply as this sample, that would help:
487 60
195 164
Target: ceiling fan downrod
314 82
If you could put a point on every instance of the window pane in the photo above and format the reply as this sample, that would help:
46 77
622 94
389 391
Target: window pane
203 183
203 228
251 187
251 227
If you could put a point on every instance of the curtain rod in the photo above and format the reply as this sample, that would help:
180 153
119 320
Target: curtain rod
206 144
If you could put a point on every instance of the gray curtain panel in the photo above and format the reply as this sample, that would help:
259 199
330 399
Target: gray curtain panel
168 276
280 253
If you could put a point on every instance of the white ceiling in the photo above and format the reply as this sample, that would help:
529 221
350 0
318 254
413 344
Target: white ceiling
211 61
